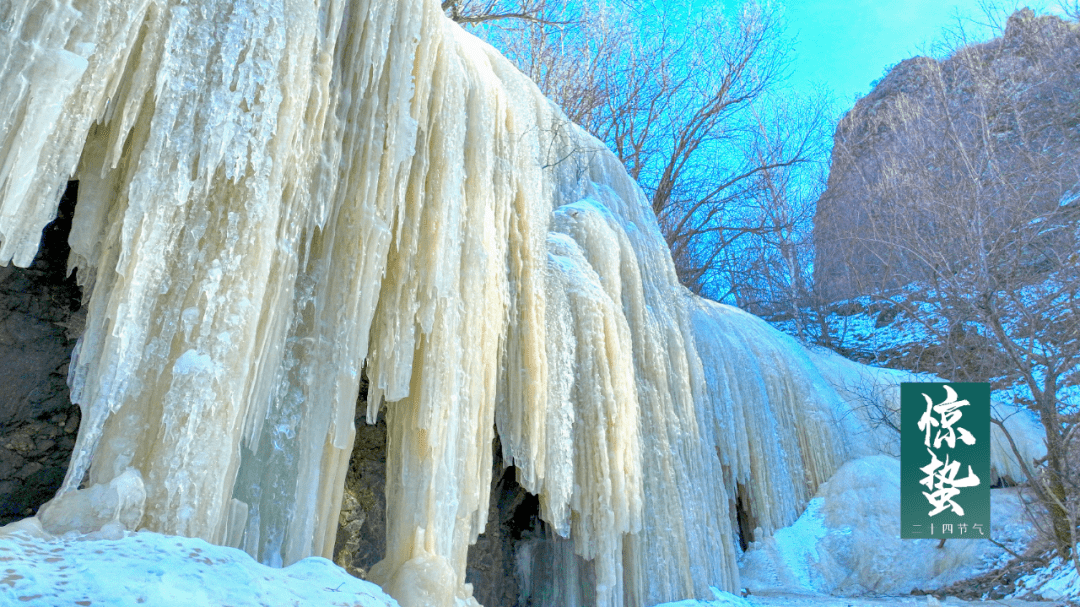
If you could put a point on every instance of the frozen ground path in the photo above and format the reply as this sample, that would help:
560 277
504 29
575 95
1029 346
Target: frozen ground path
132 569
794 600
783 599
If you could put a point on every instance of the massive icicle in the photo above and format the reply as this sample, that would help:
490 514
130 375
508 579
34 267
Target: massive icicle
274 193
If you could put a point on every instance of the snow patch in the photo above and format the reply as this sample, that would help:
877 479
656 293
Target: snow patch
803 537
721 599
1060 581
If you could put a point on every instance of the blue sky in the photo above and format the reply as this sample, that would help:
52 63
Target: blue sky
847 44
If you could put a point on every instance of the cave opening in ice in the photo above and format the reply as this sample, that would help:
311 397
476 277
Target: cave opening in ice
523 508
744 516
277 197
493 565
360 541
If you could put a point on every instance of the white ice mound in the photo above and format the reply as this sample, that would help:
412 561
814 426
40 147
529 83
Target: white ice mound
117 505
167 571
847 542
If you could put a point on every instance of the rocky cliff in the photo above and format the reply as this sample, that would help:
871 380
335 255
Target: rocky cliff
993 125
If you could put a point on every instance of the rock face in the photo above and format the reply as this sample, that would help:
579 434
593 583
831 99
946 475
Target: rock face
361 533
993 123
39 322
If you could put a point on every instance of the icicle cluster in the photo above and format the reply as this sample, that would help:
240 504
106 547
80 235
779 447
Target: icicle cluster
274 194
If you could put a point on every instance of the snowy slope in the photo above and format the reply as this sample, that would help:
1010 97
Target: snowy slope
1060 581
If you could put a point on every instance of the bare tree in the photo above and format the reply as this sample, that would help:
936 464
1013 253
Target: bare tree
769 272
574 62
689 106
977 201
1071 9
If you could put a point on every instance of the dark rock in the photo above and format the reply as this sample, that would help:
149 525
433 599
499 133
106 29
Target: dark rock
361 535
39 306
848 308
885 317
29 470
46 445
72 424
20 442
66 444
10 463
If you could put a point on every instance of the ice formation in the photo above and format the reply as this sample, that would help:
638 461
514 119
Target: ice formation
847 542
275 194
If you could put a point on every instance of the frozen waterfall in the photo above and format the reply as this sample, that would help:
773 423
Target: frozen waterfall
275 194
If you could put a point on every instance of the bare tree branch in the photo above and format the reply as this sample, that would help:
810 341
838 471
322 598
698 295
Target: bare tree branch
691 110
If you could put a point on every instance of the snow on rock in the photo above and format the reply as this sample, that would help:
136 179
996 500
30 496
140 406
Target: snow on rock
847 542
1059 581
40 570
276 195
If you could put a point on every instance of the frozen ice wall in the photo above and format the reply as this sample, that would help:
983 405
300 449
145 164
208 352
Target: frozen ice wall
276 193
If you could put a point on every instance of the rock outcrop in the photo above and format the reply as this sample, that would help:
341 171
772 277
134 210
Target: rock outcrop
994 123
39 321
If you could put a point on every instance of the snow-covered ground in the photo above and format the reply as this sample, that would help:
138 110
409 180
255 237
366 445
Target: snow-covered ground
149 569
724 599
827 601
136 569
1060 581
